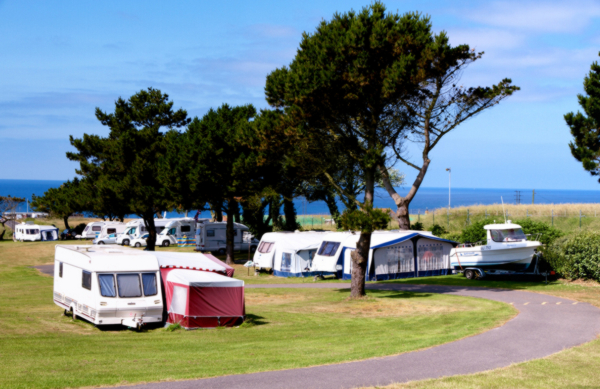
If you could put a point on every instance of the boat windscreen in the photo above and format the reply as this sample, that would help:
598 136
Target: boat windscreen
511 235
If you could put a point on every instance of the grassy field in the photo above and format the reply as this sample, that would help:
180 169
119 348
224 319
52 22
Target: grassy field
39 347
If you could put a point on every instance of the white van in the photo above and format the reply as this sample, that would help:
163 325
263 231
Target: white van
94 229
136 228
33 232
108 285
211 236
177 230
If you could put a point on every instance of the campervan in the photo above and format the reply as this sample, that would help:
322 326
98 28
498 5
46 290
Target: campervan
108 285
177 231
288 254
211 236
32 232
94 229
136 228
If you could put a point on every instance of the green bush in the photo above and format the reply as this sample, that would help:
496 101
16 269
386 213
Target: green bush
475 232
576 256
438 230
547 233
418 226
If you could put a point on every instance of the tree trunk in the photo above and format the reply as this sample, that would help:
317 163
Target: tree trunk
229 259
360 256
333 208
402 215
218 214
236 213
289 210
151 241
66 220
2 234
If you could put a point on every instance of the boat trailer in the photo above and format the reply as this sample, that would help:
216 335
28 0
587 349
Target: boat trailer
475 273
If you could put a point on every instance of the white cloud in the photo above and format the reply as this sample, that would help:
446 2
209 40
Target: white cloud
484 39
557 17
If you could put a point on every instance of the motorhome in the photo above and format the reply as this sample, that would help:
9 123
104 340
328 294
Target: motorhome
108 285
32 232
178 232
94 229
211 236
136 228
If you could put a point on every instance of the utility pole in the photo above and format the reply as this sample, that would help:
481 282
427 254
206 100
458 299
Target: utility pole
533 197
517 197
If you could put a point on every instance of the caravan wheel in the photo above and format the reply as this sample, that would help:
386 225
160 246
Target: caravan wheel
138 244
165 243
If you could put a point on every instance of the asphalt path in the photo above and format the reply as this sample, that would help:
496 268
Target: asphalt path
545 325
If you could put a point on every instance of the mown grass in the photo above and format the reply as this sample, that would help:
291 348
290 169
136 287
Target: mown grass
39 347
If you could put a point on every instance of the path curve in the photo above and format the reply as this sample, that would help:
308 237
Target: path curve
545 325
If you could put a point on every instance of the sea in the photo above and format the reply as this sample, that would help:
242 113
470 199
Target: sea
426 198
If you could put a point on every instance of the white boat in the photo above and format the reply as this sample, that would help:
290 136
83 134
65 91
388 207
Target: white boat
507 248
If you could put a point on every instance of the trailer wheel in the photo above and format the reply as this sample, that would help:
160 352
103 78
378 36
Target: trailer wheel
126 242
165 243
469 274
101 242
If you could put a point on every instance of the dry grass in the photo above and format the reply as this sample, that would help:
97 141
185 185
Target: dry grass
589 209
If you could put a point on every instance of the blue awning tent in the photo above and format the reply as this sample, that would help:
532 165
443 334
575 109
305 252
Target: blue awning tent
400 254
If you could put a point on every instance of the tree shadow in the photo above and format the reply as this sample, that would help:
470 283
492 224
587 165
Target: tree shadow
253 321
392 294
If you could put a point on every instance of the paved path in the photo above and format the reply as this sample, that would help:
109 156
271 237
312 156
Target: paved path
544 325
46 269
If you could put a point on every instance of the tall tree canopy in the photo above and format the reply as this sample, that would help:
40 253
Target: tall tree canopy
8 209
344 91
63 201
440 107
126 164
585 127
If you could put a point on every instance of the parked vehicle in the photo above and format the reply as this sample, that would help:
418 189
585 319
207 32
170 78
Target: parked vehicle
506 250
32 232
136 228
108 285
116 229
94 229
106 239
176 231
139 242
68 233
211 236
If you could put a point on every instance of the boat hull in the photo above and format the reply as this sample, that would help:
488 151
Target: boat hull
514 259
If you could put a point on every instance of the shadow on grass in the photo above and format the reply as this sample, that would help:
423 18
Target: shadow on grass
253 321
517 282
391 294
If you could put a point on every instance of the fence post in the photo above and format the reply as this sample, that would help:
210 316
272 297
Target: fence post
552 218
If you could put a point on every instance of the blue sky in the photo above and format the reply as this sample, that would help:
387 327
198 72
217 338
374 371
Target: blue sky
60 60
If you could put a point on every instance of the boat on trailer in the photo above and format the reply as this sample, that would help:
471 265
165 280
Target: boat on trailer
506 250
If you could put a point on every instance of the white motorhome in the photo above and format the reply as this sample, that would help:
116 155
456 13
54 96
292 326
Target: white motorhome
94 229
211 236
136 228
33 232
108 285
176 231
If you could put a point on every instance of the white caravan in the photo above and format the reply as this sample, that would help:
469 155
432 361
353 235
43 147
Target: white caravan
288 254
108 285
94 229
176 231
136 228
32 232
211 236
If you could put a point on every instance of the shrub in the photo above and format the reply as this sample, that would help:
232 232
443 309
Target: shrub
576 256
547 233
438 230
418 226
475 232
79 228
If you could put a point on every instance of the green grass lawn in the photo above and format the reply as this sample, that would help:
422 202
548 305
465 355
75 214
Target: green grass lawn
39 347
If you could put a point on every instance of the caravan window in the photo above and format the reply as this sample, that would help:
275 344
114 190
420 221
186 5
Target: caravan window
96 228
159 229
60 269
186 228
86 228
107 285
111 230
329 249
265 247
210 232
129 285
149 281
86 280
